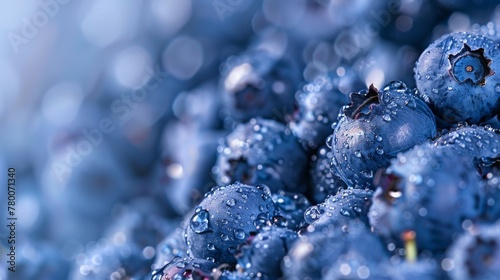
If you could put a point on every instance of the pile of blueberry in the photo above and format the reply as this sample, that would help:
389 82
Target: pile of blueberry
362 142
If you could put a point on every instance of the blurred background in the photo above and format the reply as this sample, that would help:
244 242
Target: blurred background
111 110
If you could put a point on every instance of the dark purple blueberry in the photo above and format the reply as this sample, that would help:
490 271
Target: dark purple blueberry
429 192
225 218
374 128
263 152
459 76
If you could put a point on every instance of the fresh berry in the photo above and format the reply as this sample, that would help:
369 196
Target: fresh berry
263 152
427 193
225 218
459 76
374 128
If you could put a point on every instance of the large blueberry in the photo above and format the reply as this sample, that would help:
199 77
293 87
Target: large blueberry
426 194
459 76
374 128
263 152
225 218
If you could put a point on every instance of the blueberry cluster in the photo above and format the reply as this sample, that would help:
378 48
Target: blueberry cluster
312 139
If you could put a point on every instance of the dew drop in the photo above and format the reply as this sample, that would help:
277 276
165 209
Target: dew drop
329 141
386 118
239 234
344 212
497 88
199 221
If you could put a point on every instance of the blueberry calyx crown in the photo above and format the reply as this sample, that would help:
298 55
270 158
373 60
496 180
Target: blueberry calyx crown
470 65
362 102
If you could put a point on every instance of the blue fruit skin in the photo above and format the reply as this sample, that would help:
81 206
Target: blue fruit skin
346 205
477 143
263 152
292 207
453 93
225 218
476 254
263 253
429 191
374 128
325 180
319 104
258 84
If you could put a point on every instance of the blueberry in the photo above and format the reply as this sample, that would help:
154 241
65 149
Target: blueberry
319 104
225 218
263 152
258 84
185 269
292 207
314 253
374 128
426 194
341 208
261 256
325 180
476 254
458 76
